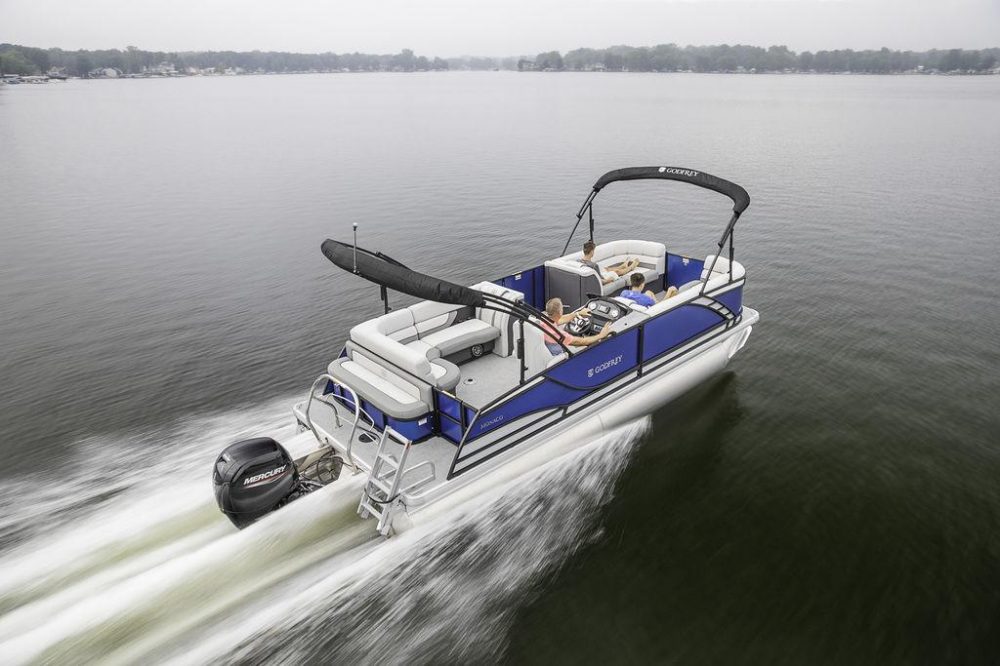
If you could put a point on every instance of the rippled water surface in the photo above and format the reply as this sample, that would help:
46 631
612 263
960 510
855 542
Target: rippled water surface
832 498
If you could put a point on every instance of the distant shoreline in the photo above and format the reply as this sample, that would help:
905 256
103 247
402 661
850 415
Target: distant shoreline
25 80
24 62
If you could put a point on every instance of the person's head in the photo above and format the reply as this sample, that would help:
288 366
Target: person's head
554 309
637 281
588 248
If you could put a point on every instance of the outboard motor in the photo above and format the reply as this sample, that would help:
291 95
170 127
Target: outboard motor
253 478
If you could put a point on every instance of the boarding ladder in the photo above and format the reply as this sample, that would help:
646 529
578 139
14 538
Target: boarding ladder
382 492
383 489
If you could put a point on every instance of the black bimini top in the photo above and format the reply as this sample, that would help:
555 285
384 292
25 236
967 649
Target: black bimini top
395 276
739 196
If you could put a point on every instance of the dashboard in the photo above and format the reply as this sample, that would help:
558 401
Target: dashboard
607 310
602 311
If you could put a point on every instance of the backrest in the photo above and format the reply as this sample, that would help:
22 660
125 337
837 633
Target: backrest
722 268
386 336
631 305
650 252
605 251
397 325
382 368
507 325
430 316
537 356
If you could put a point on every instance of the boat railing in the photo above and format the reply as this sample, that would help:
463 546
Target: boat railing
354 402
633 343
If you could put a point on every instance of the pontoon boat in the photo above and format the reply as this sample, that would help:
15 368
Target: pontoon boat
427 403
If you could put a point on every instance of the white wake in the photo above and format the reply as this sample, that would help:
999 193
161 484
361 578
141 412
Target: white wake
126 559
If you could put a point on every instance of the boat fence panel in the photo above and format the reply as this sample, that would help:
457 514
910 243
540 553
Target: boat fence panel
590 372
566 382
677 326
732 299
600 364
531 283
454 416
681 269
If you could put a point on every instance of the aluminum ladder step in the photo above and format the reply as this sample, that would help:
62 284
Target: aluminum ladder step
379 496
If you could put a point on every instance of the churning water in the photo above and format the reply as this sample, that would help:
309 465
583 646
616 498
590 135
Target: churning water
140 566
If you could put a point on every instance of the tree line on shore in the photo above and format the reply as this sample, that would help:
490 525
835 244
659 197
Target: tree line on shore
726 58
26 60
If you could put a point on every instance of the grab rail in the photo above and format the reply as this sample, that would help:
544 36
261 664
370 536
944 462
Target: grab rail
358 411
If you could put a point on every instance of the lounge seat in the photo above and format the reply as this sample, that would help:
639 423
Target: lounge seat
394 362
384 340
537 357
446 374
506 344
458 337
572 282
387 391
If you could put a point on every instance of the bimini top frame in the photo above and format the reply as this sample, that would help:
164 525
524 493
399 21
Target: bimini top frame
389 273
739 196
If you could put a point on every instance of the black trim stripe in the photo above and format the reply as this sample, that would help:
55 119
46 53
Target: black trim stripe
576 408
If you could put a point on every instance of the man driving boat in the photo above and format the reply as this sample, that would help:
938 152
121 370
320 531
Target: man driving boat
554 310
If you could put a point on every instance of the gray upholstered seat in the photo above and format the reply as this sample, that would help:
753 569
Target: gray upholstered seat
537 356
461 336
446 374
571 281
396 360
376 384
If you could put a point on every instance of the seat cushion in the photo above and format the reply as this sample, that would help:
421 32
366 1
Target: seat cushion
503 322
370 336
385 395
461 336
427 350
722 268
429 316
446 374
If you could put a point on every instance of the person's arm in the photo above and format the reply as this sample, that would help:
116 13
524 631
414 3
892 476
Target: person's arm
583 312
587 340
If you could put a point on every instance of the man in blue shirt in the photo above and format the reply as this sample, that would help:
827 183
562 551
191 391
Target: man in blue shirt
639 294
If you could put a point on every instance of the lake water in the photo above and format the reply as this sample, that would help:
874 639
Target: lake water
832 498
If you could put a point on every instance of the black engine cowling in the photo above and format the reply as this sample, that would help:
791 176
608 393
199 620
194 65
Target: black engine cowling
253 478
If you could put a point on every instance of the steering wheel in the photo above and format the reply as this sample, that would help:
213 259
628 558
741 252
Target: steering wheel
579 326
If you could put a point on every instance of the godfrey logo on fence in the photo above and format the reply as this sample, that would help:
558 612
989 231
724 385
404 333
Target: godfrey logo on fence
601 367
264 477
680 172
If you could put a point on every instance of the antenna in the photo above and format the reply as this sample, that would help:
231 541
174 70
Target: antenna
355 247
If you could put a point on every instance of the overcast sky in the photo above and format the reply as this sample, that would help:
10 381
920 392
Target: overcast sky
496 27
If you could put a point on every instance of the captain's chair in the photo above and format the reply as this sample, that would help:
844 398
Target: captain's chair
537 356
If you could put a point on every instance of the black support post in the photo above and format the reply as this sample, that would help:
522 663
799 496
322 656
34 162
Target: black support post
732 252
385 298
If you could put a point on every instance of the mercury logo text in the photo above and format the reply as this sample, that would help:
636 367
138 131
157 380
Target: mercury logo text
264 477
